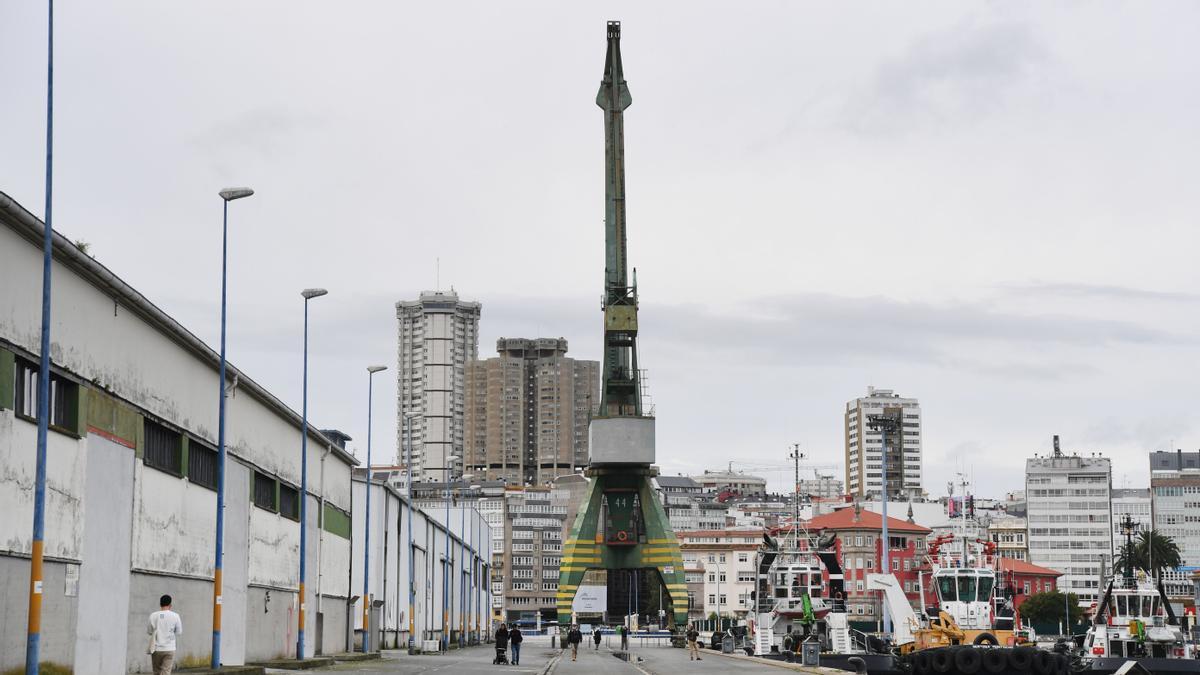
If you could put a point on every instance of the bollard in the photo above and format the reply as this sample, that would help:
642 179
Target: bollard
553 641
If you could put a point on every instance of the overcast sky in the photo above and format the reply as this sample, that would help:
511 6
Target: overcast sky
991 207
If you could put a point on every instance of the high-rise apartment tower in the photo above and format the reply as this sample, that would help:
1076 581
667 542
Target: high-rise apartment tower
527 412
864 448
1068 507
439 336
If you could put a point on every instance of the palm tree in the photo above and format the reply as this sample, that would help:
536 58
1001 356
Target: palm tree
1152 552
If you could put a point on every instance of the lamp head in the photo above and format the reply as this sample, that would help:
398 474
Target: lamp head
230 194
375 369
310 293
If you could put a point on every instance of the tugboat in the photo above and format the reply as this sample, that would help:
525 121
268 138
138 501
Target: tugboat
971 630
793 608
1135 622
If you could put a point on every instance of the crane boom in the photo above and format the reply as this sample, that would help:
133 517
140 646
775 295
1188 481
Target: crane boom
621 395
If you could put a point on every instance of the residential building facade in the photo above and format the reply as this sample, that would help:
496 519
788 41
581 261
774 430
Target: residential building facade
1068 508
731 481
535 524
1175 504
1010 537
527 411
864 447
820 487
438 337
1135 503
724 562
860 548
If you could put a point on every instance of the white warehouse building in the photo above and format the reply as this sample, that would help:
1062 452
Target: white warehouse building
131 476
469 593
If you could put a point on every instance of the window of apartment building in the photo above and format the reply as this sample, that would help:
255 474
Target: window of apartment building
550 561
723 600
895 564
289 501
64 396
722 576
1027 588
907 565
549 574
722 557
202 464
858 540
859 585
742 557
549 585
897 542
712 577
743 598
712 558
712 599
745 577
162 448
264 491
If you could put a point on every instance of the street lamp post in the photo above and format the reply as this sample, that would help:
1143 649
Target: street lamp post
307 294
449 566
412 584
227 195
883 424
366 643
34 625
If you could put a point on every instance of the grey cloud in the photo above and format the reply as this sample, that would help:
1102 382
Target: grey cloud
1104 292
814 329
964 71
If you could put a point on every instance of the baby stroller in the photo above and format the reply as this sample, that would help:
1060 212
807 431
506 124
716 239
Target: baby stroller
501 656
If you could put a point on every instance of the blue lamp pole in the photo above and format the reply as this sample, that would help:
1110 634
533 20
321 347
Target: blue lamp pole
34 632
227 195
449 566
462 577
307 294
412 584
366 643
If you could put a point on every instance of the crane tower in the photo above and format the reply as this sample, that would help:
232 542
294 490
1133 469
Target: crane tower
621 537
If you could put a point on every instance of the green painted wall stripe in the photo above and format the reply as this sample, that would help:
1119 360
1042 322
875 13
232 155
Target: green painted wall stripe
8 374
336 521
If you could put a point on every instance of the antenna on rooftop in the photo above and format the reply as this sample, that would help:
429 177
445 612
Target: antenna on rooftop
1057 449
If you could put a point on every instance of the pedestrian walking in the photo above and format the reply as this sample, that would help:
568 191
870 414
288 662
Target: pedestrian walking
515 638
693 636
163 628
624 638
574 637
596 637
501 645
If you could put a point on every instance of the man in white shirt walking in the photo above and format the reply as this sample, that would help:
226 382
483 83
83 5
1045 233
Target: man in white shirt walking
164 627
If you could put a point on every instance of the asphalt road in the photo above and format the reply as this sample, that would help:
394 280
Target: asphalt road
536 656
